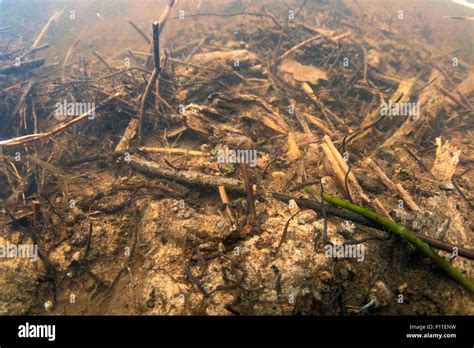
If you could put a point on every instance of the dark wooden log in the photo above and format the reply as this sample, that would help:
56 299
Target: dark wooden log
185 177
23 67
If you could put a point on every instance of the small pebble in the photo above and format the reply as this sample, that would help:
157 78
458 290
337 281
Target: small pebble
16 237
293 206
387 155
405 174
306 217
205 148
76 256
346 227
380 294
402 288
401 216
325 276
48 306
447 186
418 223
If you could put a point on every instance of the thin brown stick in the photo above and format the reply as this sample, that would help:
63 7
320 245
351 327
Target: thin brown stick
298 46
156 45
407 198
453 97
285 232
394 187
68 54
171 151
162 22
166 13
381 174
311 95
249 193
319 124
32 51
34 137
43 31
265 15
135 125
301 120
102 60
139 31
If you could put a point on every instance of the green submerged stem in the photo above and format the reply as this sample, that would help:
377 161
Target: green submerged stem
403 232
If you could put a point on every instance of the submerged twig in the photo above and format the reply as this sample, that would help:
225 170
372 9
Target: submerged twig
285 232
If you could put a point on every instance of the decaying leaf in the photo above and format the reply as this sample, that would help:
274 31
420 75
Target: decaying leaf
373 58
404 90
292 71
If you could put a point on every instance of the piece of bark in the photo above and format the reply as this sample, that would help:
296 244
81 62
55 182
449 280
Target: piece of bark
230 59
430 101
293 152
447 158
225 201
271 119
194 120
293 71
466 87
